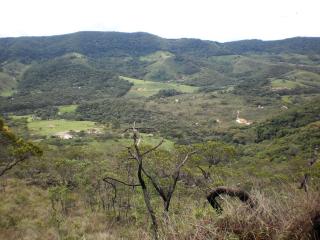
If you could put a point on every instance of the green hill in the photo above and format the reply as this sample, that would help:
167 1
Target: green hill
144 56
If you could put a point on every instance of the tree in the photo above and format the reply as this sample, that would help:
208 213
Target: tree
138 154
214 152
14 150
211 153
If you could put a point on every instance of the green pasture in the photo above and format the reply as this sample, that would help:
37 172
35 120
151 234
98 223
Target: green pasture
156 56
67 108
50 127
115 145
145 88
282 83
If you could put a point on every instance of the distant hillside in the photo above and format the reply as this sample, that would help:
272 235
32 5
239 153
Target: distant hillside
87 43
300 45
85 66
97 44
64 80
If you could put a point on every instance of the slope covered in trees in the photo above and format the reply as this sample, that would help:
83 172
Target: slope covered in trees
97 44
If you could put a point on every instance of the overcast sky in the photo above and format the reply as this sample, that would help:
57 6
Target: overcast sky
219 20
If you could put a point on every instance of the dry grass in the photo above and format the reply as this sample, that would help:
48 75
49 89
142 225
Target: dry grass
287 214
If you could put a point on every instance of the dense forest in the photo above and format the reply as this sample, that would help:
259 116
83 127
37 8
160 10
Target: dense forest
108 135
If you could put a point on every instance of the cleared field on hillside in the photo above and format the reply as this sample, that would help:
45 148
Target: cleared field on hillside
115 145
51 127
282 83
67 108
146 88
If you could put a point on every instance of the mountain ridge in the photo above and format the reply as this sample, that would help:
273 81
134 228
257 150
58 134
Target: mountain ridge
95 44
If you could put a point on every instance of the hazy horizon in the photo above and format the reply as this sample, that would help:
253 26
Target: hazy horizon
221 21
1 37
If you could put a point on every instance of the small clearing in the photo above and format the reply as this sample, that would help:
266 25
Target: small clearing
52 127
145 88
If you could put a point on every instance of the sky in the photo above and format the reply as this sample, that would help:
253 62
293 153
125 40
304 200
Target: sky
218 20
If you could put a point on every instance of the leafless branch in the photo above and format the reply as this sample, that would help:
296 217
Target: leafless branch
139 129
152 149
119 181
13 163
114 190
185 160
304 182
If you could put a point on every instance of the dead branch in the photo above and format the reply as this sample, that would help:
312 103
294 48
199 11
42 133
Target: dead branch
14 163
304 182
146 195
206 174
139 129
152 149
305 179
166 196
114 187
241 194
106 179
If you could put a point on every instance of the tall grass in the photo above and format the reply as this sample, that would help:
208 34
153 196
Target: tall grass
288 214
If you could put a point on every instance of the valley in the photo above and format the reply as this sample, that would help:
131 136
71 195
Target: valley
81 112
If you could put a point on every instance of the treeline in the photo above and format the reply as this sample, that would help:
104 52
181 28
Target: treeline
289 122
101 44
107 110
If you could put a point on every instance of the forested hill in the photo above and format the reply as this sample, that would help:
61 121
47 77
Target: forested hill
85 66
300 45
98 44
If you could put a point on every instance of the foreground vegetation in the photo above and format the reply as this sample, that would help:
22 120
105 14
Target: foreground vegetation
82 181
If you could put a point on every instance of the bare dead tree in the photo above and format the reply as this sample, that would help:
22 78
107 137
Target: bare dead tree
166 195
138 156
135 153
146 195
240 194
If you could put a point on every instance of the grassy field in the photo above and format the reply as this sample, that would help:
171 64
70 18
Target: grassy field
50 127
282 83
114 146
295 79
156 56
28 117
303 76
7 93
146 88
67 108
